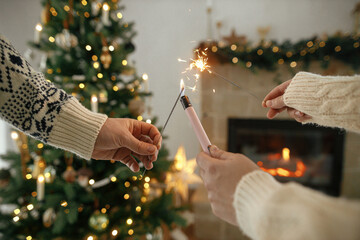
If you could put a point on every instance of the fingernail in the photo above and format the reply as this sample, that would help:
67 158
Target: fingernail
268 103
151 149
298 113
213 148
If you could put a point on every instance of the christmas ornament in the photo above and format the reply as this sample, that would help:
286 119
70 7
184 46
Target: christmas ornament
49 217
128 72
136 106
183 175
50 174
29 54
66 40
70 174
4 178
84 175
233 38
99 221
103 96
45 14
105 57
156 235
39 165
263 32
22 144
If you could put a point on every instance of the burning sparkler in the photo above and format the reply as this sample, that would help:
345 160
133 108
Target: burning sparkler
201 63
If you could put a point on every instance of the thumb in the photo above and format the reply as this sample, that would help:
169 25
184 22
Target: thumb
140 147
218 153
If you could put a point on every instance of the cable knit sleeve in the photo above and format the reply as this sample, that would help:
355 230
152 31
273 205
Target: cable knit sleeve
330 101
266 209
38 108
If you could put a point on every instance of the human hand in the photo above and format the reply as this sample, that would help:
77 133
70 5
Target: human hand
121 138
274 100
221 172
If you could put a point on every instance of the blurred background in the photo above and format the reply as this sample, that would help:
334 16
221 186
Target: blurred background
257 44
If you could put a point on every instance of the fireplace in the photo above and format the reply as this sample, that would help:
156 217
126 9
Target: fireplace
290 151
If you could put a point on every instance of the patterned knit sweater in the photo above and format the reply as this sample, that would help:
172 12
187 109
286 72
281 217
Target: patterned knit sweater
38 108
266 209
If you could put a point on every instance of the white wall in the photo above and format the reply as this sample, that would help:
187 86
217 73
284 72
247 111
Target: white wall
168 29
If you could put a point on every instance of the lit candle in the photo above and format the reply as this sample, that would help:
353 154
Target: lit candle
94 103
40 188
37 33
105 14
195 122
145 77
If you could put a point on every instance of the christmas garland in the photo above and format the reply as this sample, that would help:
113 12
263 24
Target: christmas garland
269 55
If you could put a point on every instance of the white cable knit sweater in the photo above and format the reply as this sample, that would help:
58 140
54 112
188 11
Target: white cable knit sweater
38 108
266 209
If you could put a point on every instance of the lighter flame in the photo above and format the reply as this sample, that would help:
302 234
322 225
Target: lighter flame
286 154
182 86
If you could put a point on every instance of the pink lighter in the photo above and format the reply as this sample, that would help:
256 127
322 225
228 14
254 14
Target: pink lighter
196 124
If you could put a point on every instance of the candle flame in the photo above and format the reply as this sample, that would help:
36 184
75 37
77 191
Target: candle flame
39 27
94 98
106 7
286 154
41 178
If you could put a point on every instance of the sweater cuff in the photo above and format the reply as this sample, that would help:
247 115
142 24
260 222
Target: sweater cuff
251 194
76 129
303 93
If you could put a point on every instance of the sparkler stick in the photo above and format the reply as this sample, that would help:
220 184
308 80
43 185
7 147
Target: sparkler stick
231 82
167 120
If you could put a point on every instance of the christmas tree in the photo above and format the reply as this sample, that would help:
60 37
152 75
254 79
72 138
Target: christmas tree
53 194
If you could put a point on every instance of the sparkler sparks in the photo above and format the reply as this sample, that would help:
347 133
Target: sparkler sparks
201 64
201 61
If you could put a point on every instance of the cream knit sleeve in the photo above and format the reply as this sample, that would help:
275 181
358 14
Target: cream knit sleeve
330 101
268 210
40 109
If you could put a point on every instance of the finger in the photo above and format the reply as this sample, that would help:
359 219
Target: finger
146 139
272 113
147 129
145 160
121 154
131 163
205 161
158 141
139 147
276 103
218 153
276 92
297 115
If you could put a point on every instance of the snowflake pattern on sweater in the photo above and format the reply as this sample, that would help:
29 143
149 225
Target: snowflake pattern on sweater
27 100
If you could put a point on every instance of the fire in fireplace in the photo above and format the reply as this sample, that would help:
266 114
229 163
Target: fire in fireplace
290 151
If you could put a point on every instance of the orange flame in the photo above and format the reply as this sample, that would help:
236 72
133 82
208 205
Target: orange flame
286 154
283 172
